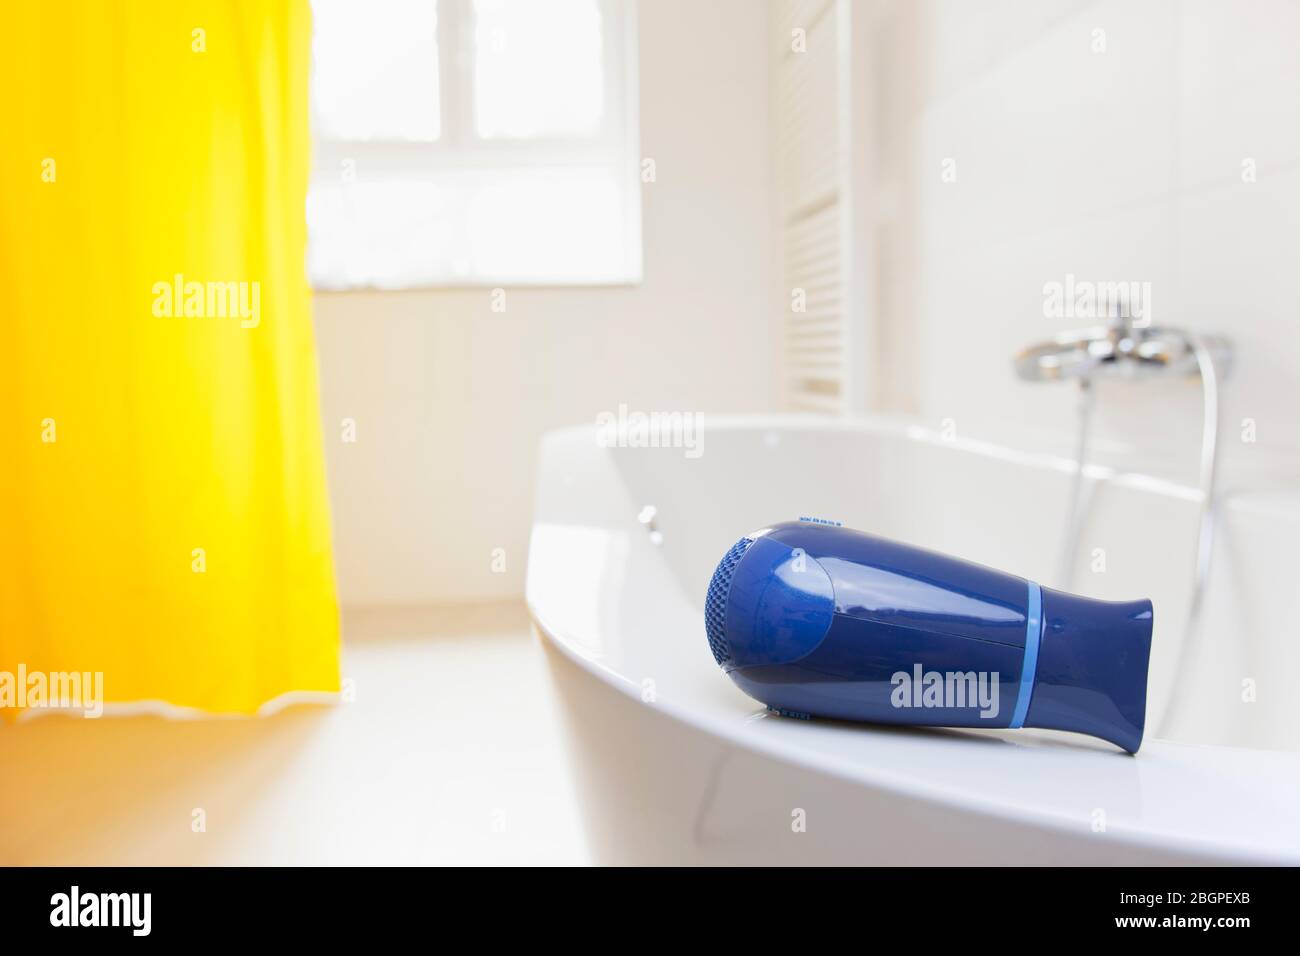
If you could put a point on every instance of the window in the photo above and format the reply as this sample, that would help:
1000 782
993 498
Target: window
474 142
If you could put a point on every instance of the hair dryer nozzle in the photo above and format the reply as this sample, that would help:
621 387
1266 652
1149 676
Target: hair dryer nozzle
1092 668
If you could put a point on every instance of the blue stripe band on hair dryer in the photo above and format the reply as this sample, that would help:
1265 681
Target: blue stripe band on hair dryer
817 620
1029 668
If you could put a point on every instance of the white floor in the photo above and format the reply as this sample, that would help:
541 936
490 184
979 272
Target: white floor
450 753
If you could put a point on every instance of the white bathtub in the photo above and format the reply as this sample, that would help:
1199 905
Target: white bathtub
675 764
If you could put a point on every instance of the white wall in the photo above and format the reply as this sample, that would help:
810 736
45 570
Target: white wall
1118 165
449 397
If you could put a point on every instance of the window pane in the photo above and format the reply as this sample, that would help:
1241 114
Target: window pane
562 225
539 225
376 69
538 68
388 234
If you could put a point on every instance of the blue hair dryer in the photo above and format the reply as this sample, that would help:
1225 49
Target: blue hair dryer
813 619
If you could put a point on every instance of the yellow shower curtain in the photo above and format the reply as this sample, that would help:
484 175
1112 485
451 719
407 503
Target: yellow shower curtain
163 514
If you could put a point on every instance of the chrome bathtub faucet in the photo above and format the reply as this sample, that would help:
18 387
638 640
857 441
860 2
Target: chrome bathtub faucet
1122 350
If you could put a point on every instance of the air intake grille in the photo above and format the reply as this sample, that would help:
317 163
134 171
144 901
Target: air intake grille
715 606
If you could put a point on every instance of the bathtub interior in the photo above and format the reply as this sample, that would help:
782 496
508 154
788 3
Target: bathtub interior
1007 510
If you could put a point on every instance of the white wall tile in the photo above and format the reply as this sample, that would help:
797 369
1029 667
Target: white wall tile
1239 88
1054 132
1238 255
